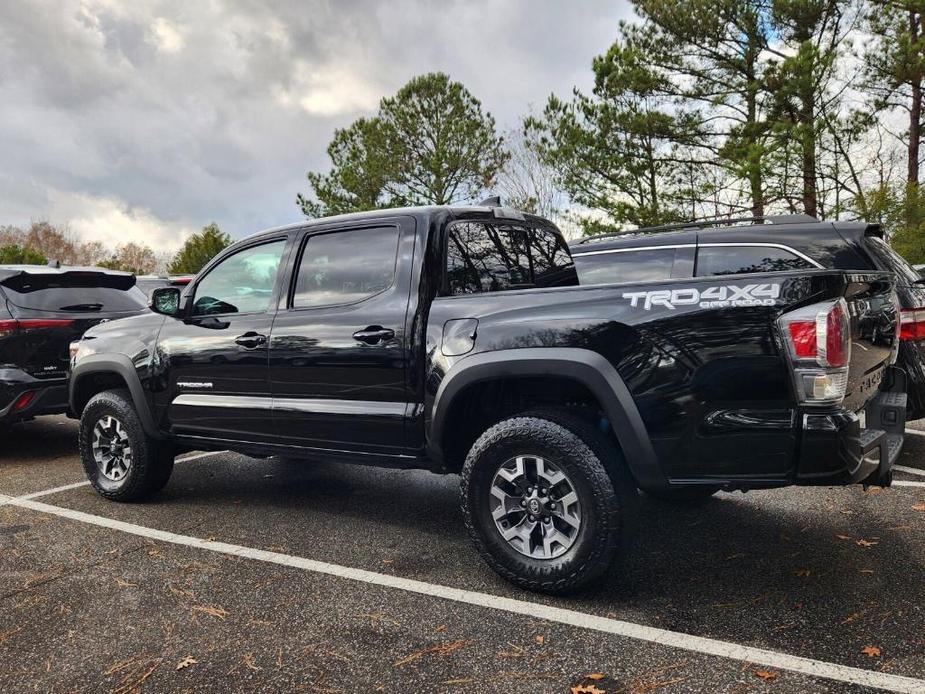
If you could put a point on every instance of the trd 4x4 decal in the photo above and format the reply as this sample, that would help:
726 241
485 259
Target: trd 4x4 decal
710 297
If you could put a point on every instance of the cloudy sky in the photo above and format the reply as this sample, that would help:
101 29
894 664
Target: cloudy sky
145 120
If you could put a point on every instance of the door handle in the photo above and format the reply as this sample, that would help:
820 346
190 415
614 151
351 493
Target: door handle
374 334
251 340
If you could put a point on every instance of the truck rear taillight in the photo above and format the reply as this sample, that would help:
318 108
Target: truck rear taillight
912 324
818 345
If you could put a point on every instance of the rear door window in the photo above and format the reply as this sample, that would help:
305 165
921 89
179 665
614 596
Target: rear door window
488 257
729 259
74 292
343 267
642 265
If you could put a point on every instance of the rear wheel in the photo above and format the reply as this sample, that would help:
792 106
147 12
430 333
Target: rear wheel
540 505
121 461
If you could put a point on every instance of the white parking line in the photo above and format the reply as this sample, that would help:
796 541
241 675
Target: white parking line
662 637
77 485
915 432
904 483
910 470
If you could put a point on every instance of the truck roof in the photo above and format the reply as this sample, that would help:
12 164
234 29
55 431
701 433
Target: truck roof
428 211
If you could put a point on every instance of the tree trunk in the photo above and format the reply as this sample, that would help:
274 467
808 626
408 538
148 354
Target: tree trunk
808 147
915 111
755 175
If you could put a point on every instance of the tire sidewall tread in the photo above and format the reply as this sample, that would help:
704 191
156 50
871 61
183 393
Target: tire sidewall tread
152 461
596 469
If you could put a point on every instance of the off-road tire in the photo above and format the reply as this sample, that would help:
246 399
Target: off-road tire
605 489
152 460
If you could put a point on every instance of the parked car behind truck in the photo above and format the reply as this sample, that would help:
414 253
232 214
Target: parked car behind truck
723 247
42 310
458 339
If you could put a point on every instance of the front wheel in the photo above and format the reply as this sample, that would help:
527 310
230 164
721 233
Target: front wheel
547 499
121 461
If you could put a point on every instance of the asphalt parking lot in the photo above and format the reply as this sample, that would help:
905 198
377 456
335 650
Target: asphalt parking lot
262 575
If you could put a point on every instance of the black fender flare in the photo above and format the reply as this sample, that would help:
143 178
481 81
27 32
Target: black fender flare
588 368
122 366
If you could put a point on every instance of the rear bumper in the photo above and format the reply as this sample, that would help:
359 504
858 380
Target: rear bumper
49 395
837 448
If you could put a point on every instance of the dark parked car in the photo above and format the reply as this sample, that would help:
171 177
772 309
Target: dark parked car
42 310
457 339
735 247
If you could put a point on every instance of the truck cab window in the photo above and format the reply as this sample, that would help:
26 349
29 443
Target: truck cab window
343 267
485 257
241 283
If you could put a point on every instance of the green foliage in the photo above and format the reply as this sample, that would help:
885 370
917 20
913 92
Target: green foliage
621 151
720 67
429 144
14 254
198 250
901 211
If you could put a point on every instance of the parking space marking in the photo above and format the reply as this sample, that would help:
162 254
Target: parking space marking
915 432
910 470
906 483
86 483
697 644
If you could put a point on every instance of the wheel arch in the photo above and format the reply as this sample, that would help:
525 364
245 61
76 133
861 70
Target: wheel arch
98 372
588 369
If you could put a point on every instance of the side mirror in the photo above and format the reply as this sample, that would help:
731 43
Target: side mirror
166 301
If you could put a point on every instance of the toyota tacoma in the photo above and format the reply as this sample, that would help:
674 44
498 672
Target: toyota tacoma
459 340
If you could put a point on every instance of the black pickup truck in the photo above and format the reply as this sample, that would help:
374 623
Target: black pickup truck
458 339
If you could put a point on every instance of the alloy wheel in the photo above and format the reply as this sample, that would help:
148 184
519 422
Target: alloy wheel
112 449
535 507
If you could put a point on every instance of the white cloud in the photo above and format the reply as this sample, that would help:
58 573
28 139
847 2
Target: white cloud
113 222
166 37
328 91
153 118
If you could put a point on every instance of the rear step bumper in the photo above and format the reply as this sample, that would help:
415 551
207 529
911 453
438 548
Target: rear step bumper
836 450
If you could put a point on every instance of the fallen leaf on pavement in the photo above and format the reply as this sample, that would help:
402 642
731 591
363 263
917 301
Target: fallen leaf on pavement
540 639
439 649
871 651
211 610
766 675
844 537
440 628
586 689
595 676
186 662
867 543
803 573
918 507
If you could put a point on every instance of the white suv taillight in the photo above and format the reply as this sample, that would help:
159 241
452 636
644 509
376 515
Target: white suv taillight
819 348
